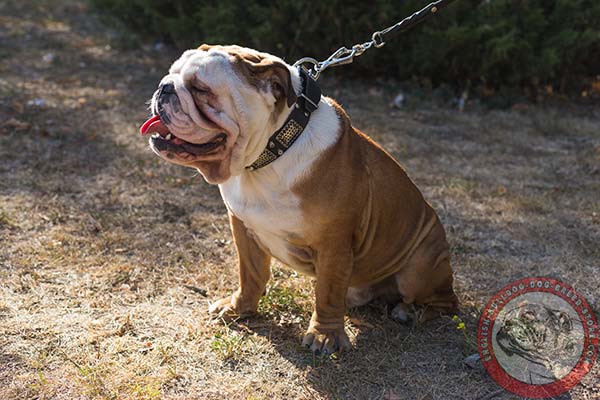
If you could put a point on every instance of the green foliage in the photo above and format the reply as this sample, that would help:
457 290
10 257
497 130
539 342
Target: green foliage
229 344
280 303
498 43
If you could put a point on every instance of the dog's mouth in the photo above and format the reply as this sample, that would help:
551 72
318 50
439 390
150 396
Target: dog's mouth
164 140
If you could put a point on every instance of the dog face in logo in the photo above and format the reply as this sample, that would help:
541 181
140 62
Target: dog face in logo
539 334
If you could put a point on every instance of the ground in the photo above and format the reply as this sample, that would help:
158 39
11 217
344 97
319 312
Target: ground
109 257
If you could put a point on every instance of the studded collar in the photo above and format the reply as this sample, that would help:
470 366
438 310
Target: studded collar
284 137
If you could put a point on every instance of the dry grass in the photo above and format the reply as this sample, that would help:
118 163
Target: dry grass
99 237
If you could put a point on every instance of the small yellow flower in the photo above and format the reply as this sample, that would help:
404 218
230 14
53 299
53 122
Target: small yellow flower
461 325
456 318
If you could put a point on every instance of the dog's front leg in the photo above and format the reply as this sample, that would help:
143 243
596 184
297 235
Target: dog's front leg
326 332
254 272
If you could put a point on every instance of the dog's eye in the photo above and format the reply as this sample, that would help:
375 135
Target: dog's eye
200 89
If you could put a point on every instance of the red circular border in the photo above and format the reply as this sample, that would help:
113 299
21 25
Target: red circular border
515 386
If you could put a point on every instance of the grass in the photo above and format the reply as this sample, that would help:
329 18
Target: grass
229 344
5 220
100 241
280 304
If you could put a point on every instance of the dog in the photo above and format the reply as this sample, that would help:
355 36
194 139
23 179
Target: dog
302 185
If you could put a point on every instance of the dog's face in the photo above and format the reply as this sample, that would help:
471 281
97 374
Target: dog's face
217 107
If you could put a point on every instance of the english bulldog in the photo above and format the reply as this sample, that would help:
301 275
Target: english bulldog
301 184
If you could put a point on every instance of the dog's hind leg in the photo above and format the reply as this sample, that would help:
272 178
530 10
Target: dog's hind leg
427 287
359 296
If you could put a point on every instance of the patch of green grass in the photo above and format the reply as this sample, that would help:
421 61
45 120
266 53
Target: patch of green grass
150 390
39 364
229 345
279 303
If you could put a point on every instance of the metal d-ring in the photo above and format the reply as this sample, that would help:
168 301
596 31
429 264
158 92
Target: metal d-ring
314 71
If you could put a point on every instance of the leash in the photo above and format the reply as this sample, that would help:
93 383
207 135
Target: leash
344 56
310 97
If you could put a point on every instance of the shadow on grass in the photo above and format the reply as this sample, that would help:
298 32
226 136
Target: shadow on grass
71 137
10 364
390 358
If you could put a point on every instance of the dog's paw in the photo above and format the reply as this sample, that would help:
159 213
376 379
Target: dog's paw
327 342
224 309
402 313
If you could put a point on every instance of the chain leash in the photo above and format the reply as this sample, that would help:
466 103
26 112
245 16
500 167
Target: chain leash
343 55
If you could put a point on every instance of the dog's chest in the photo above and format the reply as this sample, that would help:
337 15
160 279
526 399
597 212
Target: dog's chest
273 217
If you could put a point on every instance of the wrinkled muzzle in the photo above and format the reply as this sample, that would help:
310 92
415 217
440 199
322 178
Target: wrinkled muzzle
168 112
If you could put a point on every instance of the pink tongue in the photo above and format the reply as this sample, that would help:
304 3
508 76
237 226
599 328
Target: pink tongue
154 124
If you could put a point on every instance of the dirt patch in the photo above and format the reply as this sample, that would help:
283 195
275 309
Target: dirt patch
100 238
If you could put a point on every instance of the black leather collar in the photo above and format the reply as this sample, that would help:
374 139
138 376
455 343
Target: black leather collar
284 137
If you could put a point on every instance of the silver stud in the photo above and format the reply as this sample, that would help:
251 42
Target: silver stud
306 114
271 144
280 152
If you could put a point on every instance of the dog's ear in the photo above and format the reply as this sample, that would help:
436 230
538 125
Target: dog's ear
205 47
281 81
261 71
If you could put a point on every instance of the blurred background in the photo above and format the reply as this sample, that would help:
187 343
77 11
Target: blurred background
528 48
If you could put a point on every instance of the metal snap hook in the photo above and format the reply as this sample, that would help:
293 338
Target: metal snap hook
377 40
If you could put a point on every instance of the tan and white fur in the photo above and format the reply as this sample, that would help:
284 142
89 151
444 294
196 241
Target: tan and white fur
334 206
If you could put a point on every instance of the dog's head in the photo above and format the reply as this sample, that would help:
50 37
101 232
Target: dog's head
217 107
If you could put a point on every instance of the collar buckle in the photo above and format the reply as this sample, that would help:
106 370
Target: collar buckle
309 105
311 92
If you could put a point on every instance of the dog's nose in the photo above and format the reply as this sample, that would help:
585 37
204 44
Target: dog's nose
167 88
